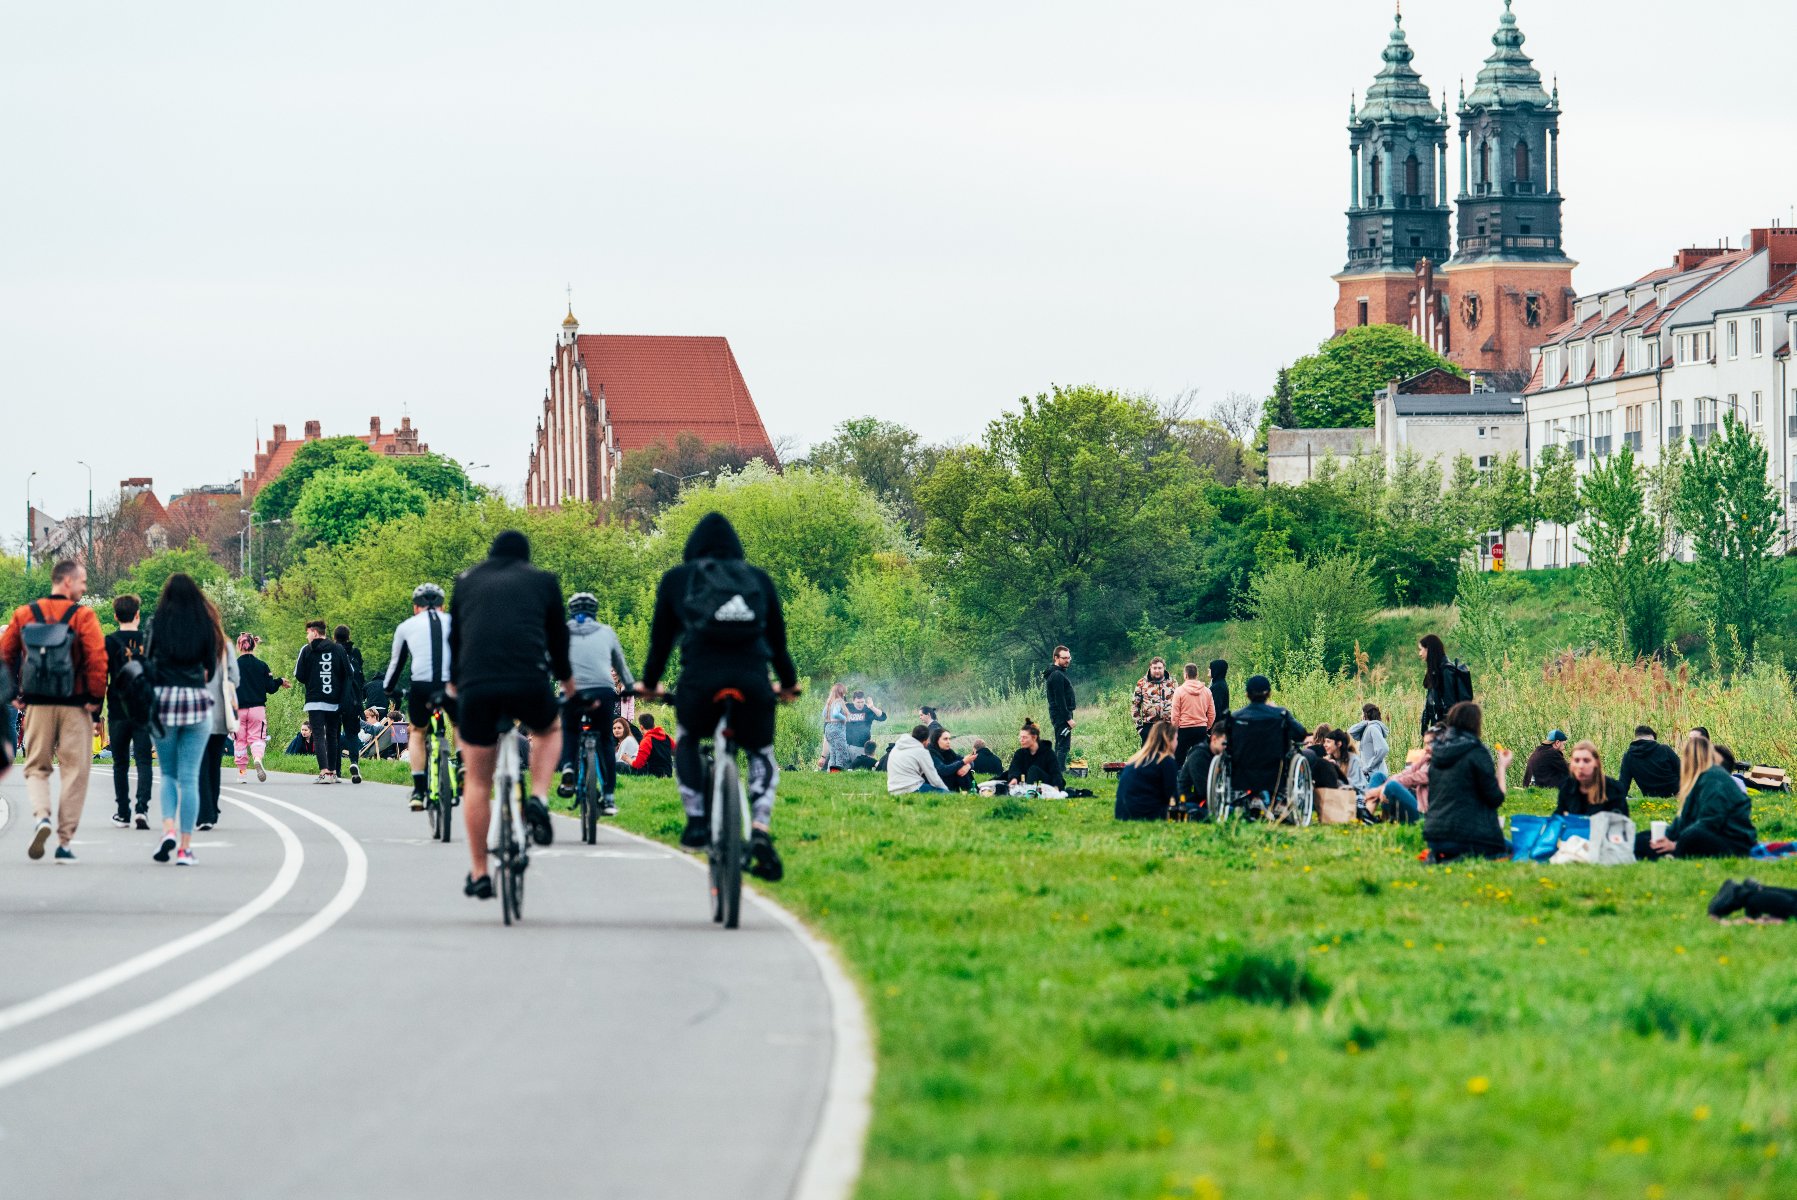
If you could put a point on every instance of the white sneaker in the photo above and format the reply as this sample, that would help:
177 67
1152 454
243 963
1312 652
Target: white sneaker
42 835
261 773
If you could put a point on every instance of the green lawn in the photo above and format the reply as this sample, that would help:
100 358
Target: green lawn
1066 1007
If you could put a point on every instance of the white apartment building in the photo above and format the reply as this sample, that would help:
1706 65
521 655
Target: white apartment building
1658 361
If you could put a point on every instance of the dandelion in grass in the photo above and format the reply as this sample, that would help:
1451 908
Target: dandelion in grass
1478 1085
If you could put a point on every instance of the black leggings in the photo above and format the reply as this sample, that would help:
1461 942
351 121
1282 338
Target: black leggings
1693 843
349 722
604 704
210 768
324 739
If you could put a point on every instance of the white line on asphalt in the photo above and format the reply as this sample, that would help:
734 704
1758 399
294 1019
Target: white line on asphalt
832 1161
294 856
62 1050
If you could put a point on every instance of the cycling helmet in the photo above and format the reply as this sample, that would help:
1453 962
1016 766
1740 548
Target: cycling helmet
427 595
584 604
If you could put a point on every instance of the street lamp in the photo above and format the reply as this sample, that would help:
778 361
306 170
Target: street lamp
246 551
90 512
30 532
680 478
468 467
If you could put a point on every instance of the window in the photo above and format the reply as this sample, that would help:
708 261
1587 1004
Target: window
1363 312
1653 354
1756 339
1706 346
1734 404
1684 348
1531 310
1552 374
1522 162
1485 463
1413 177
1481 431
1606 357
1372 241
1415 240
1527 229
1631 419
1580 363
1734 339
1758 410
1485 164
1678 413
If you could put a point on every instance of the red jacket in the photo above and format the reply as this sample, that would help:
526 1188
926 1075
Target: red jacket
89 650
646 746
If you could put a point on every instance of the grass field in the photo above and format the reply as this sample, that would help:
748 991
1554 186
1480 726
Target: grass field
1067 1007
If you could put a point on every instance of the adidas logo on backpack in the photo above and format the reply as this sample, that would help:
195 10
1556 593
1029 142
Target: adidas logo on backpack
735 609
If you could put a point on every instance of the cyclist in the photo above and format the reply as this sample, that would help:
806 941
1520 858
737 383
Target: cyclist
422 639
507 633
727 617
597 660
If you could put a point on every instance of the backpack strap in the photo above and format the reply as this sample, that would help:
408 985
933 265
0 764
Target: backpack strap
68 614
436 624
39 614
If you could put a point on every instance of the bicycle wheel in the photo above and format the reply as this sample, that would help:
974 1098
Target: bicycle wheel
442 803
729 846
589 792
520 857
507 847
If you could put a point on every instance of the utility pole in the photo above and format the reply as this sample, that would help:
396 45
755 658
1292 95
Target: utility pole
30 532
90 513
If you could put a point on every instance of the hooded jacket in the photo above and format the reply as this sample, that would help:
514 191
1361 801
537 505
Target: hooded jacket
715 537
1464 795
654 753
323 670
1219 683
594 653
1720 812
1060 699
508 629
1651 766
1193 706
1369 760
1546 768
909 766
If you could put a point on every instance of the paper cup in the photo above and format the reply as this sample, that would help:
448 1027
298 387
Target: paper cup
1659 830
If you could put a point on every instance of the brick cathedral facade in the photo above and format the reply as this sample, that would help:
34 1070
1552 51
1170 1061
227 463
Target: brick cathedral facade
1485 297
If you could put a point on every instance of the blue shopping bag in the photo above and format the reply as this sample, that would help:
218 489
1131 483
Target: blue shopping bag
1534 839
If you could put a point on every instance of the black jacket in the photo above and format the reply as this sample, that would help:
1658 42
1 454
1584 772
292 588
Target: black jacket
170 667
987 763
1194 774
715 537
858 725
122 645
509 629
1219 684
323 671
356 693
1651 765
1261 735
1060 699
1041 767
1573 803
1145 792
1324 772
949 766
1435 708
255 682
1718 811
1464 795
1546 767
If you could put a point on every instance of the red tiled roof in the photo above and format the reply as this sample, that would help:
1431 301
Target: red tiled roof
657 387
1656 276
1535 379
1781 292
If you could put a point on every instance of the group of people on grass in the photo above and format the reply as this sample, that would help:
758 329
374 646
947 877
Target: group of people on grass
926 760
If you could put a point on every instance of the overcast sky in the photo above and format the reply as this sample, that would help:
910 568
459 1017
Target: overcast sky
219 216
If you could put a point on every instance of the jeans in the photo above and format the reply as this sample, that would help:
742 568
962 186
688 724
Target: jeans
128 742
1403 800
180 750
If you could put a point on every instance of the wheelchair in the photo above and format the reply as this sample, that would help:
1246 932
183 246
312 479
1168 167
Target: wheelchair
1294 800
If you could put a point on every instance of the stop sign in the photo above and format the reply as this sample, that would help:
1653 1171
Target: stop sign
1497 551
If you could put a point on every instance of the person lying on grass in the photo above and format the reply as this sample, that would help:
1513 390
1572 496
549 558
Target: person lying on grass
1586 789
1150 780
1715 818
1466 789
1034 763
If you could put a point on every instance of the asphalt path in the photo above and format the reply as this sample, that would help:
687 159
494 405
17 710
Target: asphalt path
314 1009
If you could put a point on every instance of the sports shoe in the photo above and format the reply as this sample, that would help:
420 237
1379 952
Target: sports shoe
355 773
36 849
323 777
64 854
536 816
764 860
242 775
1731 897
478 889
169 842
143 820
608 807
566 788
122 818
417 801
204 826
261 773
184 858
697 834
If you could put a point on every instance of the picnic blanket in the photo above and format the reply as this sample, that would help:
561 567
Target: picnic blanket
1775 850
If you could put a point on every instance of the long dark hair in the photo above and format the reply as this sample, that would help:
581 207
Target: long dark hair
187 628
341 636
1468 718
1438 658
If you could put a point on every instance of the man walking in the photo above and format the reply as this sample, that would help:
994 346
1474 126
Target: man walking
1061 703
323 670
55 649
129 741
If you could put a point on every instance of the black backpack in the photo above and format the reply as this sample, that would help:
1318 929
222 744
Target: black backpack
1456 683
723 605
48 672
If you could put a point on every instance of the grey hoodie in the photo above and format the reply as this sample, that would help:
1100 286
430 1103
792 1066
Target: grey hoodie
594 652
1370 758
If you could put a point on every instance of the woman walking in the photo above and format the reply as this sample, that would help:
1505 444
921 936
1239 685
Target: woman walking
254 683
186 649
836 725
1436 701
223 689
349 714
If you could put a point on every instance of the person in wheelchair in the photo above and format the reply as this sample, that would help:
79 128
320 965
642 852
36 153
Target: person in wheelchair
1262 737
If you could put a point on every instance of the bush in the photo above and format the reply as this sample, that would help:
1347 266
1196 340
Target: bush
1308 614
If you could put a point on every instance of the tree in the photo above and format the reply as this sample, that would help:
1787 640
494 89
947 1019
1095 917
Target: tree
649 480
1061 524
1239 414
339 505
884 455
1556 492
147 578
1629 576
1334 387
1729 513
1325 603
1283 405
278 497
436 475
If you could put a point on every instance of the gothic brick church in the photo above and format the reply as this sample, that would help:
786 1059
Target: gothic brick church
1484 299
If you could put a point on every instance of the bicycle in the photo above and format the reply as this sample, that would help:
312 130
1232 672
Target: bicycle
729 815
444 796
506 840
586 788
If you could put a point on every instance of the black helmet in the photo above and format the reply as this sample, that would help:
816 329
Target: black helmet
584 604
427 595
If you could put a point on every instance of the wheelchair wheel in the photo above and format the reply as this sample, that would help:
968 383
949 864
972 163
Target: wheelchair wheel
1300 793
1217 791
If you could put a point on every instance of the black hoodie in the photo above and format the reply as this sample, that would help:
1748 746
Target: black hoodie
1464 795
509 630
1219 684
715 537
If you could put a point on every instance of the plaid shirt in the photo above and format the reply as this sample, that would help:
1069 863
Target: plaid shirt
179 706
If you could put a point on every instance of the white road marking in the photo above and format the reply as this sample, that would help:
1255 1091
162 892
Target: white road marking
94 1037
293 858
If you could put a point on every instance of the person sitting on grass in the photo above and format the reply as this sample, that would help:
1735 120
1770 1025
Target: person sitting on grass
1715 818
1194 773
1725 758
1546 767
1338 752
303 742
654 751
1404 797
1651 765
1373 749
886 758
910 767
956 769
865 761
984 761
1466 789
1150 781
1586 789
623 735
1034 762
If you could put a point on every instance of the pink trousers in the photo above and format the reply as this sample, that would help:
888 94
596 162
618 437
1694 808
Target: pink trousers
251 737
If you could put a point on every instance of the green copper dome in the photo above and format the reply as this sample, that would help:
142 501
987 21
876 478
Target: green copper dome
1398 92
1509 78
